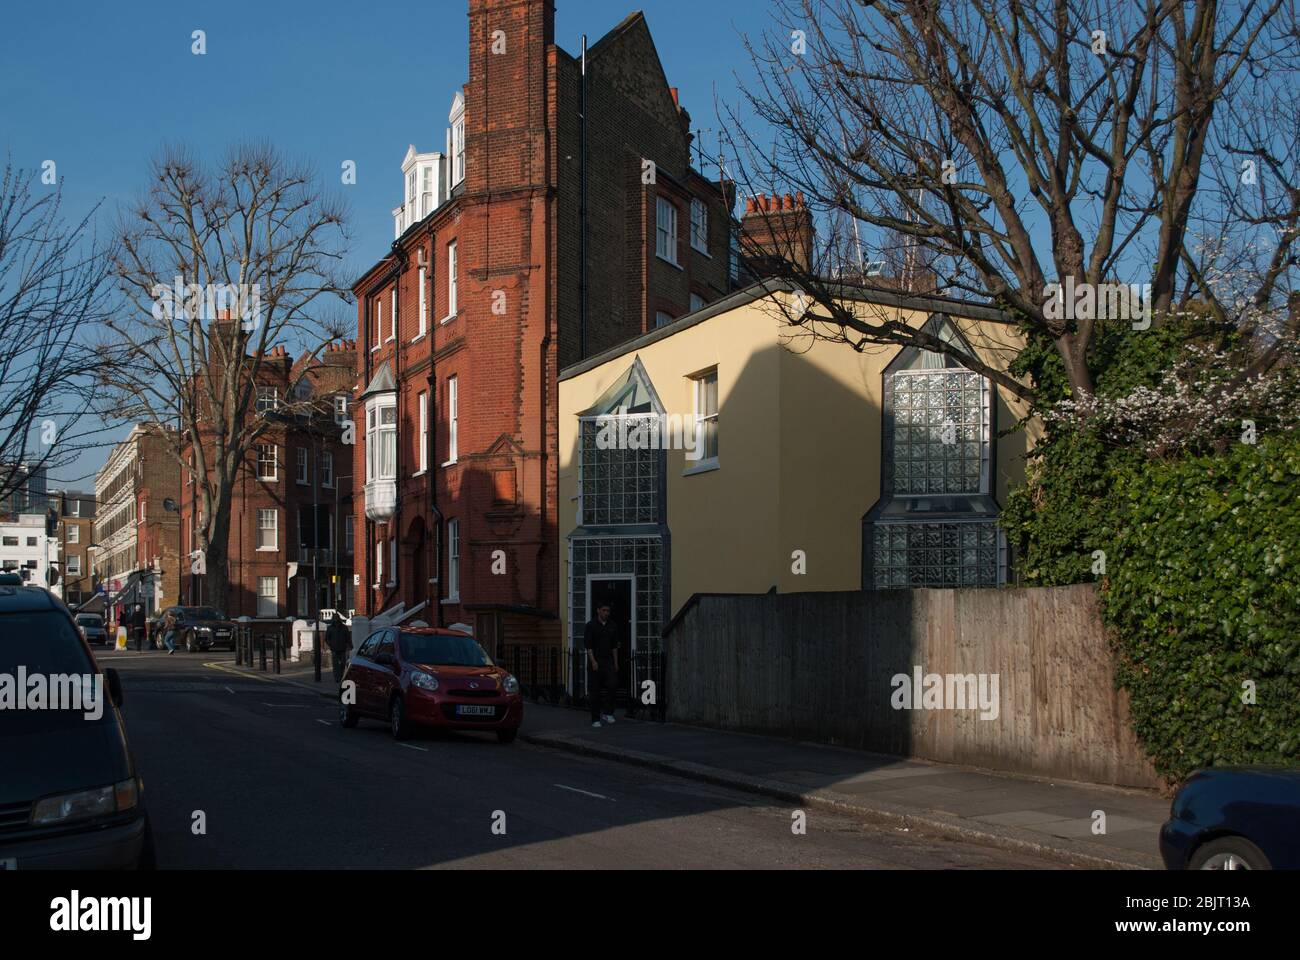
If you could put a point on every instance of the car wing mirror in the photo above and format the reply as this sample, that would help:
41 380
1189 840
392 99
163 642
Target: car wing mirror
114 681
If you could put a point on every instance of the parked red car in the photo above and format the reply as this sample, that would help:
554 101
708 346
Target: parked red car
429 677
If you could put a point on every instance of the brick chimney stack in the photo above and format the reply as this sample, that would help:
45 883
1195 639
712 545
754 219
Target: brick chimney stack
781 228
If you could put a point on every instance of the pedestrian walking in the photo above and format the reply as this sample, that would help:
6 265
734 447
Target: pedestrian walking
138 625
339 642
168 627
601 640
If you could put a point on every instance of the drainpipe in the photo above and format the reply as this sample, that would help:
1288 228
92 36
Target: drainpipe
582 208
435 556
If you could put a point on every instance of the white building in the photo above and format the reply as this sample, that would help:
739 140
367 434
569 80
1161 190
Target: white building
26 549
430 177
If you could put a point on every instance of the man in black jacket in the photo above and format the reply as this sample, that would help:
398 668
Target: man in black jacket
601 641
338 640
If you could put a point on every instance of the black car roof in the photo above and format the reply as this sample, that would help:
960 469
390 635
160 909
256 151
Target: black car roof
25 599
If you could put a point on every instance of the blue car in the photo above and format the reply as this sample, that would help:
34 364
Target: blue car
1235 818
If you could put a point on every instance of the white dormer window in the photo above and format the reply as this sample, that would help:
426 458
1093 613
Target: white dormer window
457 146
410 197
458 153
426 191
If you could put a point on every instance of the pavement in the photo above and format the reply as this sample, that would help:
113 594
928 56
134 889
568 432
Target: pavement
1051 819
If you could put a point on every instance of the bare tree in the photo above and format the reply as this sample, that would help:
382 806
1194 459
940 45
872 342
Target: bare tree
221 269
1011 144
53 278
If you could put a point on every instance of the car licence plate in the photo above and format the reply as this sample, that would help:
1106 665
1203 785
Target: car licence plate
466 710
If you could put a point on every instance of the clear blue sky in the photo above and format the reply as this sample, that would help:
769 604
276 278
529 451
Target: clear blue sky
99 86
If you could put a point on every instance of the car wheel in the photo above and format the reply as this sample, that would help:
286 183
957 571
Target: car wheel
189 643
1229 853
348 714
508 736
397 719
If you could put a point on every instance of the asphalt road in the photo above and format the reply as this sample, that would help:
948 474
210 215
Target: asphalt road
280 784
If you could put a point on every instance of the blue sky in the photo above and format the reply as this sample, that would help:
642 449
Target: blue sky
98 87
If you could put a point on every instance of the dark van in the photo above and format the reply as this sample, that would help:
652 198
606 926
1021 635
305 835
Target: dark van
70 794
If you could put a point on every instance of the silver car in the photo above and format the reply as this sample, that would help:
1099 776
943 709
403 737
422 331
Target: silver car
91 626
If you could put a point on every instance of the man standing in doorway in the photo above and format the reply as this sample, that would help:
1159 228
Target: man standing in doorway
601 640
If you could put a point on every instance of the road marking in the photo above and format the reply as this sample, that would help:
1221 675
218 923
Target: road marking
228 688
598 796
239 673
300 706
328 723
411 746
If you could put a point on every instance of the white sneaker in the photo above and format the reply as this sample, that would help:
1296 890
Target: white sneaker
608 718
596 724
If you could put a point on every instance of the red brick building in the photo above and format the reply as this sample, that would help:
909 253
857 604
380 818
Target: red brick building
290 543
563 218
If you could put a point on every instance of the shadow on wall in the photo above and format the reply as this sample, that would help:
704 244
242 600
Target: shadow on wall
1019 680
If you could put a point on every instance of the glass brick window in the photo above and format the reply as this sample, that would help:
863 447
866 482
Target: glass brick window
940 437
601 556
959 553
618 474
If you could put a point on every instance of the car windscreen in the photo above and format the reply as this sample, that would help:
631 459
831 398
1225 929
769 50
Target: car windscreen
437 650
90 620
38 647
202 613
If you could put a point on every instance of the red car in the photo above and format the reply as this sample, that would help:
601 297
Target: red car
428 677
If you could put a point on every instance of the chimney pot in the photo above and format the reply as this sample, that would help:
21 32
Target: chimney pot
676 102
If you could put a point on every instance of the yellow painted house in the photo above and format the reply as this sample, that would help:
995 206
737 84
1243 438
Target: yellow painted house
729 452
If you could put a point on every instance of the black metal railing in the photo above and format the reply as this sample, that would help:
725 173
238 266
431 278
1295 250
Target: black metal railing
538 668
642 688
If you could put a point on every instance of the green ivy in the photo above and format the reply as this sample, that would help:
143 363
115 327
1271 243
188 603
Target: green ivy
1201 585
1202 594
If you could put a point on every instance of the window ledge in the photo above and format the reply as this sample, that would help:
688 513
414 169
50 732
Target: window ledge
449 600
450 463
703 466
389 339
674 263
375 348
702 251
449 317
268 549
418 473
390 584
418 337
